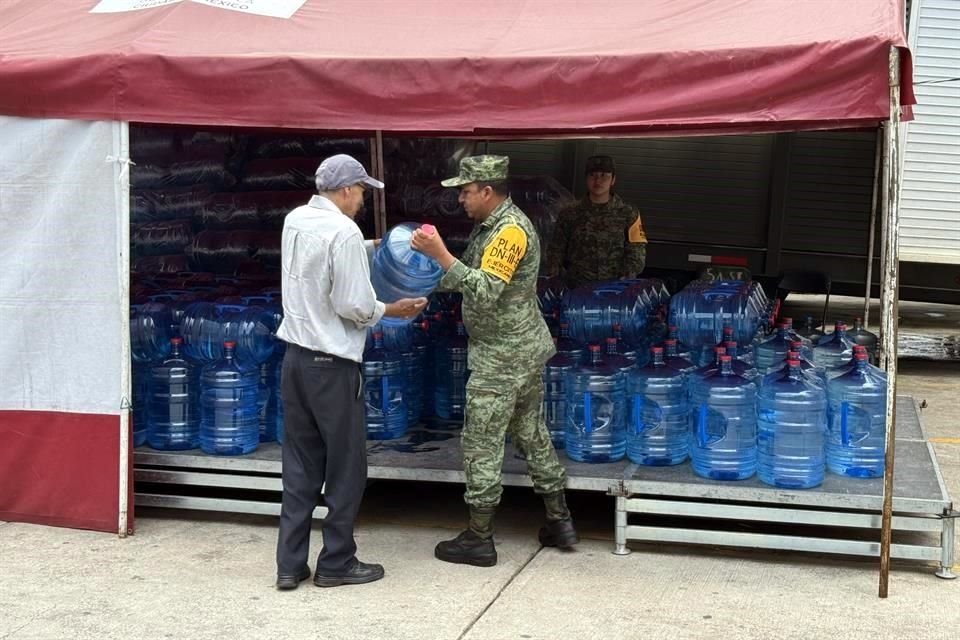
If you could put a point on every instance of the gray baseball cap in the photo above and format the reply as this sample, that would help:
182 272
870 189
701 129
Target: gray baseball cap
342 170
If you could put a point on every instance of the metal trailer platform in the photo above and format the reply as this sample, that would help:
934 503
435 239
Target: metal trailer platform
708 512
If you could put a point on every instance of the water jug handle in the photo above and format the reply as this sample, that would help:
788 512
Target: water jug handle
639 424
844 431
713 296
230 307
384 398
846 438
587 413
702 425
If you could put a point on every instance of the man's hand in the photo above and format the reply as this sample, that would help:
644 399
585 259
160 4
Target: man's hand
431 244
405 307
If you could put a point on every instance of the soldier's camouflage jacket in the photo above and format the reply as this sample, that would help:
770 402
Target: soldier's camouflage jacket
497 276
597 242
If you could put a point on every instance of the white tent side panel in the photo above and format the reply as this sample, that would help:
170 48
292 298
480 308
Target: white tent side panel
63 270
930 205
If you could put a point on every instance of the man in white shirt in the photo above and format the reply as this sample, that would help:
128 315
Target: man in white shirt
328 304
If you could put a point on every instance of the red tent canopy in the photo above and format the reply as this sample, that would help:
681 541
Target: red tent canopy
547 66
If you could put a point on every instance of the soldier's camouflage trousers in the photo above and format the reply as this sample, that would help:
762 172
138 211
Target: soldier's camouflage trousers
512 404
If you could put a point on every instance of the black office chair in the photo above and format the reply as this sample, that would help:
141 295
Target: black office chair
799 281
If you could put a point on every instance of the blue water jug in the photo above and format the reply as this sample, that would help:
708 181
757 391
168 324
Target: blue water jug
793 334
173 415
229 396
813 374
740 367
857 425
596 411
682 350
659 414
450 375
573 349
616 360
703 308
833 351
773 350
860 336
270 403
396 337
412 361
383 388
791 423
399 271
140 376
723 419
707 353
424 349
627 349
555 373
550 292
711 368
206 326
150 331
674 360
809 331
848 366
592 311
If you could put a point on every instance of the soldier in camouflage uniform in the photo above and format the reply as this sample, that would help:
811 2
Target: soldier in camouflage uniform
508 346
599 238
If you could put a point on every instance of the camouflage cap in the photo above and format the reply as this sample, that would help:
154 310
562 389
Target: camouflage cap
480 169
600 164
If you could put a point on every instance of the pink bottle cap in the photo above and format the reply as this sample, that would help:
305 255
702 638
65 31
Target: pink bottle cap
428 229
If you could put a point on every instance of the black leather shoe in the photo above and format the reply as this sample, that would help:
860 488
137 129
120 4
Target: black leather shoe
559 534
359 573
468 548
286 583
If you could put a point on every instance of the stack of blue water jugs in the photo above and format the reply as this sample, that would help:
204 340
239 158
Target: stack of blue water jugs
603 332
703 308
206 374
770 406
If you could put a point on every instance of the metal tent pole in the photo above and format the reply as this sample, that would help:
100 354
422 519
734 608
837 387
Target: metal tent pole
877 161
121 132
890 267
379 199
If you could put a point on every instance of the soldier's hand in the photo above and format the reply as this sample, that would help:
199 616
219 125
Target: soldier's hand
427 241
405 307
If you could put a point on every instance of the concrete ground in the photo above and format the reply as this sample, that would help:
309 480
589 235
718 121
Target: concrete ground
192 575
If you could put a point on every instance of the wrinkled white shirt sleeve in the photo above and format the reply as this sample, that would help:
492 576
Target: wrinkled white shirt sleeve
352 294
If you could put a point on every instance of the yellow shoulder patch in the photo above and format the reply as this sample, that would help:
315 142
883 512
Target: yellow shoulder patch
503 253
635 233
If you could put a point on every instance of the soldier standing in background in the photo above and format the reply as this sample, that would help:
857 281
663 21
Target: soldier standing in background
508 345
599 238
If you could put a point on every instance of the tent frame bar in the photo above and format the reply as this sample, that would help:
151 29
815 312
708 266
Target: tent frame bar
889 307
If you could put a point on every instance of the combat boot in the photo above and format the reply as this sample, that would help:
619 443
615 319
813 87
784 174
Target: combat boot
473 546
558 531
